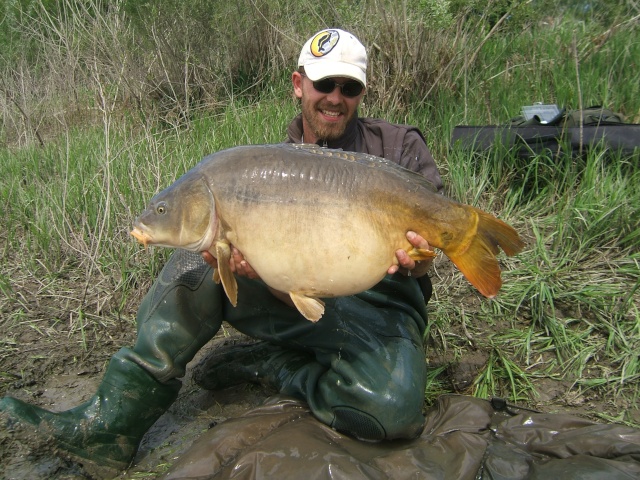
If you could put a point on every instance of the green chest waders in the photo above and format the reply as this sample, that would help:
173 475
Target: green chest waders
361 367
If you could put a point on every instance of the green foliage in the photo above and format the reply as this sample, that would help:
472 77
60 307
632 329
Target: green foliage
436 13
501 376
603 12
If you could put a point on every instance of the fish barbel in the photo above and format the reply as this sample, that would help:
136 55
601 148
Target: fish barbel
318 223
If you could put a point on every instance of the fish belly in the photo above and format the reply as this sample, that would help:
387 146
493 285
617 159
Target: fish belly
326 253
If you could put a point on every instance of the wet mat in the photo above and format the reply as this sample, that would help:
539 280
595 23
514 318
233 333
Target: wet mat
464 438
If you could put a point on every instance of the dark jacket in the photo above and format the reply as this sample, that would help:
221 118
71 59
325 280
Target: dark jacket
401 144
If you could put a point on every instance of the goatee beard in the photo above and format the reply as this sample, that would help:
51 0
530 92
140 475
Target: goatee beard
322 130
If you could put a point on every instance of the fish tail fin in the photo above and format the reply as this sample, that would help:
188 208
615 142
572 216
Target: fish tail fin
476 257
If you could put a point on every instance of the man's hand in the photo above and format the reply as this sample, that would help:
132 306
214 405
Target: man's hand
408 266
237 263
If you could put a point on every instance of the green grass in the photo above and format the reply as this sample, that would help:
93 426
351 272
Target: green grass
569 307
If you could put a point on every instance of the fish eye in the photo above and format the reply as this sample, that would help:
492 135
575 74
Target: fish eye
161 208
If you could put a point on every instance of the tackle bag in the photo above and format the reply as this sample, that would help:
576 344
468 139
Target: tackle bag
575 131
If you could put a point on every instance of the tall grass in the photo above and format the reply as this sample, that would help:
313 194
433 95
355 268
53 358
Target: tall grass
577 282
112 104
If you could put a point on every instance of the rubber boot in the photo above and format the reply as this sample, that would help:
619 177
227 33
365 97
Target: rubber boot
361 367
180 313
102 429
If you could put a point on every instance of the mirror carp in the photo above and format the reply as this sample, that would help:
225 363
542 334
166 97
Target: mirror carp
318 223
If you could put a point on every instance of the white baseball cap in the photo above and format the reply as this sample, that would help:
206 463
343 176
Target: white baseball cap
334 53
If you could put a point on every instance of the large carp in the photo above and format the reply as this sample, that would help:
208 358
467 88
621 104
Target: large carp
317 223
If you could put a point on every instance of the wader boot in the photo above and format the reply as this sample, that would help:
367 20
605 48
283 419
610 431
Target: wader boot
180 313
258 362
361 367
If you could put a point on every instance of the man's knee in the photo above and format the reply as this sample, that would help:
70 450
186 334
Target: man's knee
378 397
384 414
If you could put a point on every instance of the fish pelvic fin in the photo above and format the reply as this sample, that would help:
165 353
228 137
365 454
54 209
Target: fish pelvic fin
476 257
224 273
311 308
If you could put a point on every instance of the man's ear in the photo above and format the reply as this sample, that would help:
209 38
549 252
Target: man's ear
296 79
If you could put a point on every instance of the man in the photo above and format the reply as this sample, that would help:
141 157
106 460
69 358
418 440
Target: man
361 368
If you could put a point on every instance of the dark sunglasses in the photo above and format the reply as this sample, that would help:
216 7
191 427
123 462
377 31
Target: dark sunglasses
349 89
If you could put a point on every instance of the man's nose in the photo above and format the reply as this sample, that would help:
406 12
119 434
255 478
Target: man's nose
335 96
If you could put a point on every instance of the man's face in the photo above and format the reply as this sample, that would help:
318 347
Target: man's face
325 116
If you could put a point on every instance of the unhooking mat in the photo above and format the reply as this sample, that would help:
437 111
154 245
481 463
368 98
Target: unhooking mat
464 438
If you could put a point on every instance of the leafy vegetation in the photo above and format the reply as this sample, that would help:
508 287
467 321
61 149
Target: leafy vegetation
105 103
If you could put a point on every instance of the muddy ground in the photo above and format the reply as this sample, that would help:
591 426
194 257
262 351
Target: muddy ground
48 361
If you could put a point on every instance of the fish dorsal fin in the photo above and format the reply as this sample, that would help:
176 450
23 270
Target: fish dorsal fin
223 254
311 308
312 147
366 159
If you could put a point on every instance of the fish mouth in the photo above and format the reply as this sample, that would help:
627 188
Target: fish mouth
141 236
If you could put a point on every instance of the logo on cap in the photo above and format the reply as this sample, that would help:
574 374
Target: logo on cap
324 42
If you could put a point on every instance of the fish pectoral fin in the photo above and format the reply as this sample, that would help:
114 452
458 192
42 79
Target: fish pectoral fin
311 308
224 273
418 254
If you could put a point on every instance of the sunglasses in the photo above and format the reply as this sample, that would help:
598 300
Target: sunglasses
349 89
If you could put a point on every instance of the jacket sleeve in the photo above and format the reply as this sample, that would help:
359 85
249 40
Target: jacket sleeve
417 157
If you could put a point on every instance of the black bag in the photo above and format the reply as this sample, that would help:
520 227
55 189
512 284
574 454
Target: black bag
576 130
